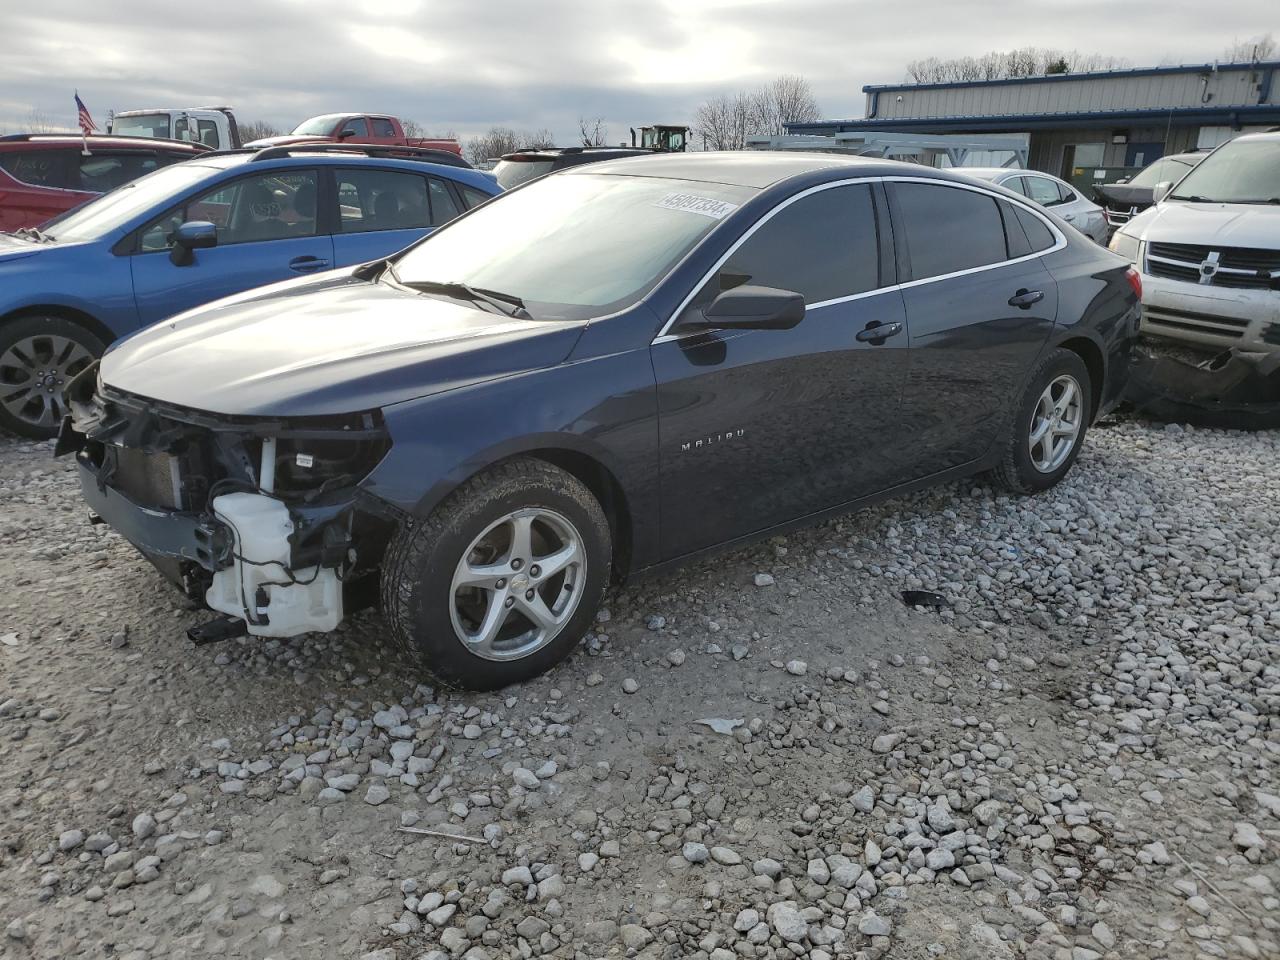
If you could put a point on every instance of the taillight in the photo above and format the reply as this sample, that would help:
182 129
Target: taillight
1135 281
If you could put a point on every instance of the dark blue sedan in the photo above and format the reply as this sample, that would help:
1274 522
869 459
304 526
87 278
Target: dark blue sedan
192 233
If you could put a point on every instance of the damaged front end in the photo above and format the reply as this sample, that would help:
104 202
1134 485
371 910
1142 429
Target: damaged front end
259 518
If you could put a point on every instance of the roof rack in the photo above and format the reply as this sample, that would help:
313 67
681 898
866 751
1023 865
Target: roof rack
390 151
71 135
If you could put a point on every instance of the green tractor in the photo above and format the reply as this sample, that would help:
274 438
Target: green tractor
662 138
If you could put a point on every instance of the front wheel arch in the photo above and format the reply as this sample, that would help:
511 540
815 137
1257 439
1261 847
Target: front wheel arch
92 324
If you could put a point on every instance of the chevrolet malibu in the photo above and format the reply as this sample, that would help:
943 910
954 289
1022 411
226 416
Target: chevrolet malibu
611 370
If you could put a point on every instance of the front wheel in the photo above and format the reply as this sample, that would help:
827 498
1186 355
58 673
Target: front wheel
502 580
38 357
1049 425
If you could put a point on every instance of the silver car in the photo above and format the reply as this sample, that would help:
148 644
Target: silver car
1062 198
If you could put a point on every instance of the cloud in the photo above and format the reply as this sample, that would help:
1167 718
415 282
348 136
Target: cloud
467 65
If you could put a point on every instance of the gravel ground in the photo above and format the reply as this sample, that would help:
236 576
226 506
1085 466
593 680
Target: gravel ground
764 756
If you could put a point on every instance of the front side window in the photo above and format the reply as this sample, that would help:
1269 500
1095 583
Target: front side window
354 128
381 200
577 245
948 229
823 246
382 127
1242 171
208 133
38 168
269 206
1043 191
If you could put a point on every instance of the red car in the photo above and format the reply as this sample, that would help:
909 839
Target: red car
43 175
377 129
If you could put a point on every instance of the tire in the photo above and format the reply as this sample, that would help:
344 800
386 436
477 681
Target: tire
38 356
1030 468
430 607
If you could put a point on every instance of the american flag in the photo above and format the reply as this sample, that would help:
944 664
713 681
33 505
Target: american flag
87 126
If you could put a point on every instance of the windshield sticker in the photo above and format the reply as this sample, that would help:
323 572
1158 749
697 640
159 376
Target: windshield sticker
691 203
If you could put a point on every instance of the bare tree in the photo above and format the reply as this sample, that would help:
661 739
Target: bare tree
724 121
38 122
1251 50
594 133
1010 64
788 99
257 129
538 140
413 129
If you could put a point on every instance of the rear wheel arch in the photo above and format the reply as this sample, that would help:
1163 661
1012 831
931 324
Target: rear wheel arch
1095 362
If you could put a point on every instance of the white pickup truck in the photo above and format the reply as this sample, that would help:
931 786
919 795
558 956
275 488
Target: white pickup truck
213 126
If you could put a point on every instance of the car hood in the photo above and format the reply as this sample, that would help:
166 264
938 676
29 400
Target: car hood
334 346
1124 193
1221 224
11 248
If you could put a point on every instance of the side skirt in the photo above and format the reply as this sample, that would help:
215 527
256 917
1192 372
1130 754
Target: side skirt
851 506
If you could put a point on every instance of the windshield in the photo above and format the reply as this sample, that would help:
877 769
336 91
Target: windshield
575 245
1242 171
1169 168
143 125
512 173
318 126
97 218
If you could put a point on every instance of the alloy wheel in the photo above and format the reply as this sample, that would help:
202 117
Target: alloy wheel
518 584
33 373
1055 424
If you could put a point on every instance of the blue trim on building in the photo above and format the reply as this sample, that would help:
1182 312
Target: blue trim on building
1181 116
1096 75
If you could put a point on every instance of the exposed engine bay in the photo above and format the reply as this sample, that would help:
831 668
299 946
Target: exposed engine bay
260 519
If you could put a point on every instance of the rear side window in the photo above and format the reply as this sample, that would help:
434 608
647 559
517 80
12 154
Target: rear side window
382 127
823 246
39 168
443 207
948 229
1044 191
101 172
208 133
381 200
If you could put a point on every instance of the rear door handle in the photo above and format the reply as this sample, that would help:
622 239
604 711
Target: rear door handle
1025 298
307 264
877 333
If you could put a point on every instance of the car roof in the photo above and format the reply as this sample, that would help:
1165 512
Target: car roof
553 153
992 173
36 140
757 168
228 159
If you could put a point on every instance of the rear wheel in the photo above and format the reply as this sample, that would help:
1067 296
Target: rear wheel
1050 425
38 357
500 583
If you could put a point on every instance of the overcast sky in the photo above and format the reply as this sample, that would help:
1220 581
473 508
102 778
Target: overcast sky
466 65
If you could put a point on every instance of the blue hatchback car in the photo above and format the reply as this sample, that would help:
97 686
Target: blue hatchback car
191 233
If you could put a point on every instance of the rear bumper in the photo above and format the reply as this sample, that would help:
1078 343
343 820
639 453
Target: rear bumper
1212 316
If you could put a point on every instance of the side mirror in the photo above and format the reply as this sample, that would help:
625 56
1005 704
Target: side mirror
345 134
749 307
1161 190
192 235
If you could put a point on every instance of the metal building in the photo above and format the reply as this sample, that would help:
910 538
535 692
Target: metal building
1112 121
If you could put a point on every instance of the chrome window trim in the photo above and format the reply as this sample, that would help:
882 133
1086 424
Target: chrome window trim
1060 241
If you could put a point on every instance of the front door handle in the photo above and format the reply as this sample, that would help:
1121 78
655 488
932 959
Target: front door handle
307 264
1024 298
877 333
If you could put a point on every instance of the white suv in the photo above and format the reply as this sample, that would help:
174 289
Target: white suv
1209 250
